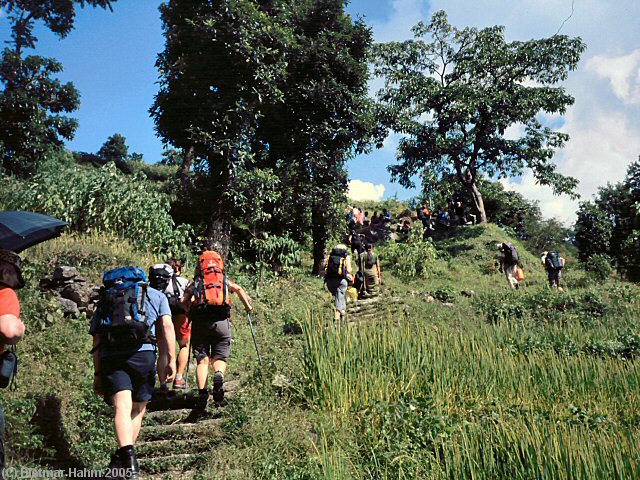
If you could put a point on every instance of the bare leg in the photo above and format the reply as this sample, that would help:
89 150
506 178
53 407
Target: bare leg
137 413
123 406
202 371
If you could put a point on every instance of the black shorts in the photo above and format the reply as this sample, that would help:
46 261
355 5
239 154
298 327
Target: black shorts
211 339
136 373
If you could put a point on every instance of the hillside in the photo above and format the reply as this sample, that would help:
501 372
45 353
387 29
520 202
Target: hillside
498 384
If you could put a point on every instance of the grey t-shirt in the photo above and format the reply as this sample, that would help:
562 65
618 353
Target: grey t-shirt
156 305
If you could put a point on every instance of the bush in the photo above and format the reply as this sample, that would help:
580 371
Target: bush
102 200
599 266
412 259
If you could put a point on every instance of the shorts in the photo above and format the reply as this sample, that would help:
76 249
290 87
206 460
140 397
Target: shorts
211 338
181 325
136 373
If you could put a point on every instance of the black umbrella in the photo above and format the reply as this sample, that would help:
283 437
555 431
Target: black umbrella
20 230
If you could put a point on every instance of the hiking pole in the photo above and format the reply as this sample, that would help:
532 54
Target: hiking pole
253 334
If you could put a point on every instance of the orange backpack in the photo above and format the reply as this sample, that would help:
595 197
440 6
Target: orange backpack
211 288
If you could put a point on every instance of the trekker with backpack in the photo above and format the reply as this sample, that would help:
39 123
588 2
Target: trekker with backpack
208 304
128 316
553 264
508 258
337 276
11 327
166 277
372 272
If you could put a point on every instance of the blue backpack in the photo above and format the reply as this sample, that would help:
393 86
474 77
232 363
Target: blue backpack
121 309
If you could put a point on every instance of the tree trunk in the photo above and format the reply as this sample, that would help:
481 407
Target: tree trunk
219 232
479 203
319 234
185 168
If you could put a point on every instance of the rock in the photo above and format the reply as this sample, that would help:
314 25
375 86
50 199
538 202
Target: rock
292 329
46 284
468 293
280 381
69 307
65 273
77 293
429 299
448 304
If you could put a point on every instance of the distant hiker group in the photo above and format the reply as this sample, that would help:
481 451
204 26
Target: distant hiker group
137 320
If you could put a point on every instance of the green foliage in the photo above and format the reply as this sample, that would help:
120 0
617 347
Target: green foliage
31 100
114 149
280 254
412 259
593 230
102 200
470 85
599 265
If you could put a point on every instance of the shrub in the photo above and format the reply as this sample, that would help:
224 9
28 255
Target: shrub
412 259
103 200
599 266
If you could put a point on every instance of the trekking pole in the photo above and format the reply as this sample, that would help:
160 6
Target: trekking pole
253 334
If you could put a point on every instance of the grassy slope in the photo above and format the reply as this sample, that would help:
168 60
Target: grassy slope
542 390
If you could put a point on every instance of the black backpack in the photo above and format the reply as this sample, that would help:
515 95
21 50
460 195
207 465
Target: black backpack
336 267
160 275
553 261
370 261
510 253
121 309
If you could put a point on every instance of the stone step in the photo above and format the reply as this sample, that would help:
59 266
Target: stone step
181 431
163 448
170 463
174 475
181 400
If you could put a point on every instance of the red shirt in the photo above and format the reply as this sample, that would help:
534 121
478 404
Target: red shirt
9 303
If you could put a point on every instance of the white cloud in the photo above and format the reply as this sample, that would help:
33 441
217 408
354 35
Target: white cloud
623 73
360 191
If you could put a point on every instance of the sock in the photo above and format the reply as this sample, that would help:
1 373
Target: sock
178 376
203 391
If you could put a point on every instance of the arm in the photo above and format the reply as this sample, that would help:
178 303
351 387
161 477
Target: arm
11 329
244 298
379 271
167 346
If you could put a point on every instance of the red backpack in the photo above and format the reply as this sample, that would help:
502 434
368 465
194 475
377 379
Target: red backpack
210 288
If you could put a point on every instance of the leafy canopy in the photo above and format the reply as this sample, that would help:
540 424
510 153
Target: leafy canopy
453 93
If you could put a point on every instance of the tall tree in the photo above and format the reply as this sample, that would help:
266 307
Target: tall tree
454 92
324 117
219 66
32 101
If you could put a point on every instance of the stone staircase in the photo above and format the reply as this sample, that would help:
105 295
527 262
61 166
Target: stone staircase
177 435
373 308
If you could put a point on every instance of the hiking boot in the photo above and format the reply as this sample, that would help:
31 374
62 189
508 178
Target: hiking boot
201 399
123 465
179 384
130 463
218 386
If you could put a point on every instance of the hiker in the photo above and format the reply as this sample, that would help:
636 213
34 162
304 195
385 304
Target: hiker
372 272
11 327
131 319
508 258
357 244
337 276
375 219
167 277
553 264
208 305
359 215
366 221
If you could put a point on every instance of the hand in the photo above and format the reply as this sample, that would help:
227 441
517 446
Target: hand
170 371
250 309
97 385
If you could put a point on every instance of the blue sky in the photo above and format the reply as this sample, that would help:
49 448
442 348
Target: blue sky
110 58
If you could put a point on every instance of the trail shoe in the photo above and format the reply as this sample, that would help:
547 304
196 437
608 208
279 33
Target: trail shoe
218 386
202 398
123 465
179 384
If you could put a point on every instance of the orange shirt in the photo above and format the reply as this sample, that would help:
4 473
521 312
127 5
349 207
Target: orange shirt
9 303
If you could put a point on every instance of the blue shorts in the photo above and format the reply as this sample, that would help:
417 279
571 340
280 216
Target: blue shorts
136 372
